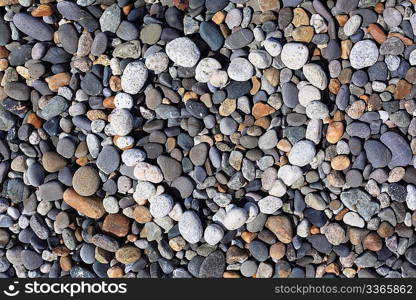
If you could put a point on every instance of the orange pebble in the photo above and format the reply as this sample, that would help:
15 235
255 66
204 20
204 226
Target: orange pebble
34 120
109 102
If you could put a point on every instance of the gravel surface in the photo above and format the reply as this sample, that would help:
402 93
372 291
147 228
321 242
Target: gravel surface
210 139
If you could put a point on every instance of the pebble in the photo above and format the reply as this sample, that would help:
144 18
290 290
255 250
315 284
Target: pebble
31 260
235 218
213 234
89 206
378 155
363 54
294 55
302 153
183 52
315 75
239 39
270 204
211 35
121 121
240 69
161 206
110 19
134 77
210 139
205 68
352 25
86 181
108 160
147 172
33 27
213 265
190 227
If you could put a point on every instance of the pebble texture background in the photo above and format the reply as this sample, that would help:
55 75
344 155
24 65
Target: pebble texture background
192 138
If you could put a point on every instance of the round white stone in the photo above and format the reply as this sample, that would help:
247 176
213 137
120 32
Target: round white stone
308 93
190 227
157 62
144 191
111 205
294 55
363 54
269 205
289 174
260 59
353 219
131 157
302 153
121 121
123 100
240 69
161 206
134 77
412 57
235 218
219 78
183 52
272 46
205 68
213 234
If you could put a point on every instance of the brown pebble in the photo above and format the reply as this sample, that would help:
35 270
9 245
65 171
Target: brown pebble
61 250
255 85
177 243
142 214
385 230
356 110
117 224
109 102
229 274
8 2
34 120
377 33
43 10
374 102
334 132
53 162
115 272
269 5
341 19
277 251
261 109
346 46
303 34
115 83
372 242
218 17
332 269
248 237
96 114
403 89
281 227
92 207
4 53
379 8
66 263
340 162
181 4
128 254
300 17
272 76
